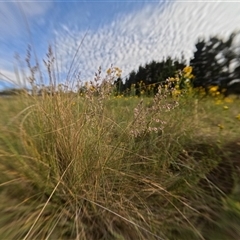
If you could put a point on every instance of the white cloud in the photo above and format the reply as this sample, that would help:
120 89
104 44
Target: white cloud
35 8
151 33
13 30
12 15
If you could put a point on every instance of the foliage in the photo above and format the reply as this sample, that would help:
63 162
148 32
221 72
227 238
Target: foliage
212 61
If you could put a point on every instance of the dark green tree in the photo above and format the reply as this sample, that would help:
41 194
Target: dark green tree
212 61
153 73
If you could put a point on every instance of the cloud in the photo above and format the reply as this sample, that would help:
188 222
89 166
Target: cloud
14 30
35 8
12 15
154 32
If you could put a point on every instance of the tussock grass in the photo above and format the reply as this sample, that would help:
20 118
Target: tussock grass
92 167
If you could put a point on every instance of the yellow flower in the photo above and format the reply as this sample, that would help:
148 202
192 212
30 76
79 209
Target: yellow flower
109 71
213 89
188 70
176 92
117 69
225 107
191 76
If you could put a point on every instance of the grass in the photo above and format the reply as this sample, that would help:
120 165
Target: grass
93 166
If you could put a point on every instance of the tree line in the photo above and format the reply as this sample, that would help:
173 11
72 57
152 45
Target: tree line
215 62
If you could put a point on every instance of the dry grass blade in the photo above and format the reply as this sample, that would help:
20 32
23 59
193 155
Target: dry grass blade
39 215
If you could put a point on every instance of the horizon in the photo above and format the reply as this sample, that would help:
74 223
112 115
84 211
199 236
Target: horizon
126 34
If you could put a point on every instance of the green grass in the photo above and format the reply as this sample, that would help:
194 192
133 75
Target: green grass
95 167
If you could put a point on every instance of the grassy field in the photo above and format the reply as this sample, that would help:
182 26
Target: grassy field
99 167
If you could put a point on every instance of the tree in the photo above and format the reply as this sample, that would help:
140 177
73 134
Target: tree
212 61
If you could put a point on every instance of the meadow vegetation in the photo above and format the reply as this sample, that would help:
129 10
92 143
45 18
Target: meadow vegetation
97 165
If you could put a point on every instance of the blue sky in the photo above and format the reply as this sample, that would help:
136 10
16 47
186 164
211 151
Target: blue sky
123 33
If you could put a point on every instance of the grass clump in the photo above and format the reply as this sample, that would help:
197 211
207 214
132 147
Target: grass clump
88 166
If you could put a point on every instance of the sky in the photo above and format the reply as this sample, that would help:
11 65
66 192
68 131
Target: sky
87 34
